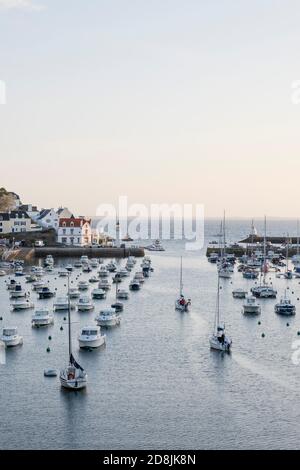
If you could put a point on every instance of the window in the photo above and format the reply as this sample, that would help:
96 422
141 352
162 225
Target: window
64 224
72 231
64 240
64 231
72 240
78 240
72 224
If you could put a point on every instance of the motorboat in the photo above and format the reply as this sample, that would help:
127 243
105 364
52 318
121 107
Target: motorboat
139 276
22 304
46 293
108 318
213 257
111 267
104 284
94 263
117 278
93 279
239 293
251 306
63 273
62 303
122 294
86 268
156 246
74 293
73 376
12 284
42 318
117 306
31 278
90 337
18 292
38 285
134 285
98 294
264 292
49 261
83 285
250 274
103 272
219 340
39 271
2 273
10 337
123 272
285 306
84 259
78 264
69 268
50 372
85 304
19 271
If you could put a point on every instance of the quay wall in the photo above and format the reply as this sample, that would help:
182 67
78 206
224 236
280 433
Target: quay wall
93 252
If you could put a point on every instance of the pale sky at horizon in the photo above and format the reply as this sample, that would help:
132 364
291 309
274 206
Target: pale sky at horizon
165 101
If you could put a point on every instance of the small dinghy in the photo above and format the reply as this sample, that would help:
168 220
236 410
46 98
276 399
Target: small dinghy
50 372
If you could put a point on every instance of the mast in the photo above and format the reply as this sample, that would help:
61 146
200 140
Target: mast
181 285
224 236
287 255
69 319
218 307
265 249
297 237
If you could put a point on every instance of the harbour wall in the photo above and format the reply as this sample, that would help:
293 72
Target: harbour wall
93 252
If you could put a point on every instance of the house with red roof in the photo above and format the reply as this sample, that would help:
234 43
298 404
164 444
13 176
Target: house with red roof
74 231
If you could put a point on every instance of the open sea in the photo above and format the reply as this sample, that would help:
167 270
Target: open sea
157 384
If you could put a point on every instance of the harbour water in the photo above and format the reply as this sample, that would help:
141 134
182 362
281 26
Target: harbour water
156 384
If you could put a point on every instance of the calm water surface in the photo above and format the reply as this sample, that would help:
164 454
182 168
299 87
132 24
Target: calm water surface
157 384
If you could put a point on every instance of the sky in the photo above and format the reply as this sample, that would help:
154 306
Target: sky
164 101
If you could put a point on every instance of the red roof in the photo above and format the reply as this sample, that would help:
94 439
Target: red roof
72 222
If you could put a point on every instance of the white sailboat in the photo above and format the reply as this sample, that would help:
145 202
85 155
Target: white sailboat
288 273
73 376
264 290
219 340
181 304
225 269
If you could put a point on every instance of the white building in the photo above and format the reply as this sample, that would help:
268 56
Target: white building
47 218
74 231
15 222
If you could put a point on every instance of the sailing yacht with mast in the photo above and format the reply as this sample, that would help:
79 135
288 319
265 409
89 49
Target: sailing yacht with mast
181 304
225 269
296 258
73 376
219 340
264 290
288 273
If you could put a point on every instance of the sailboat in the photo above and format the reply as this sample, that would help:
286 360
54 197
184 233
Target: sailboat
181 304
264 290
288 273
117 306
73 376
219 340
225 269
296 258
